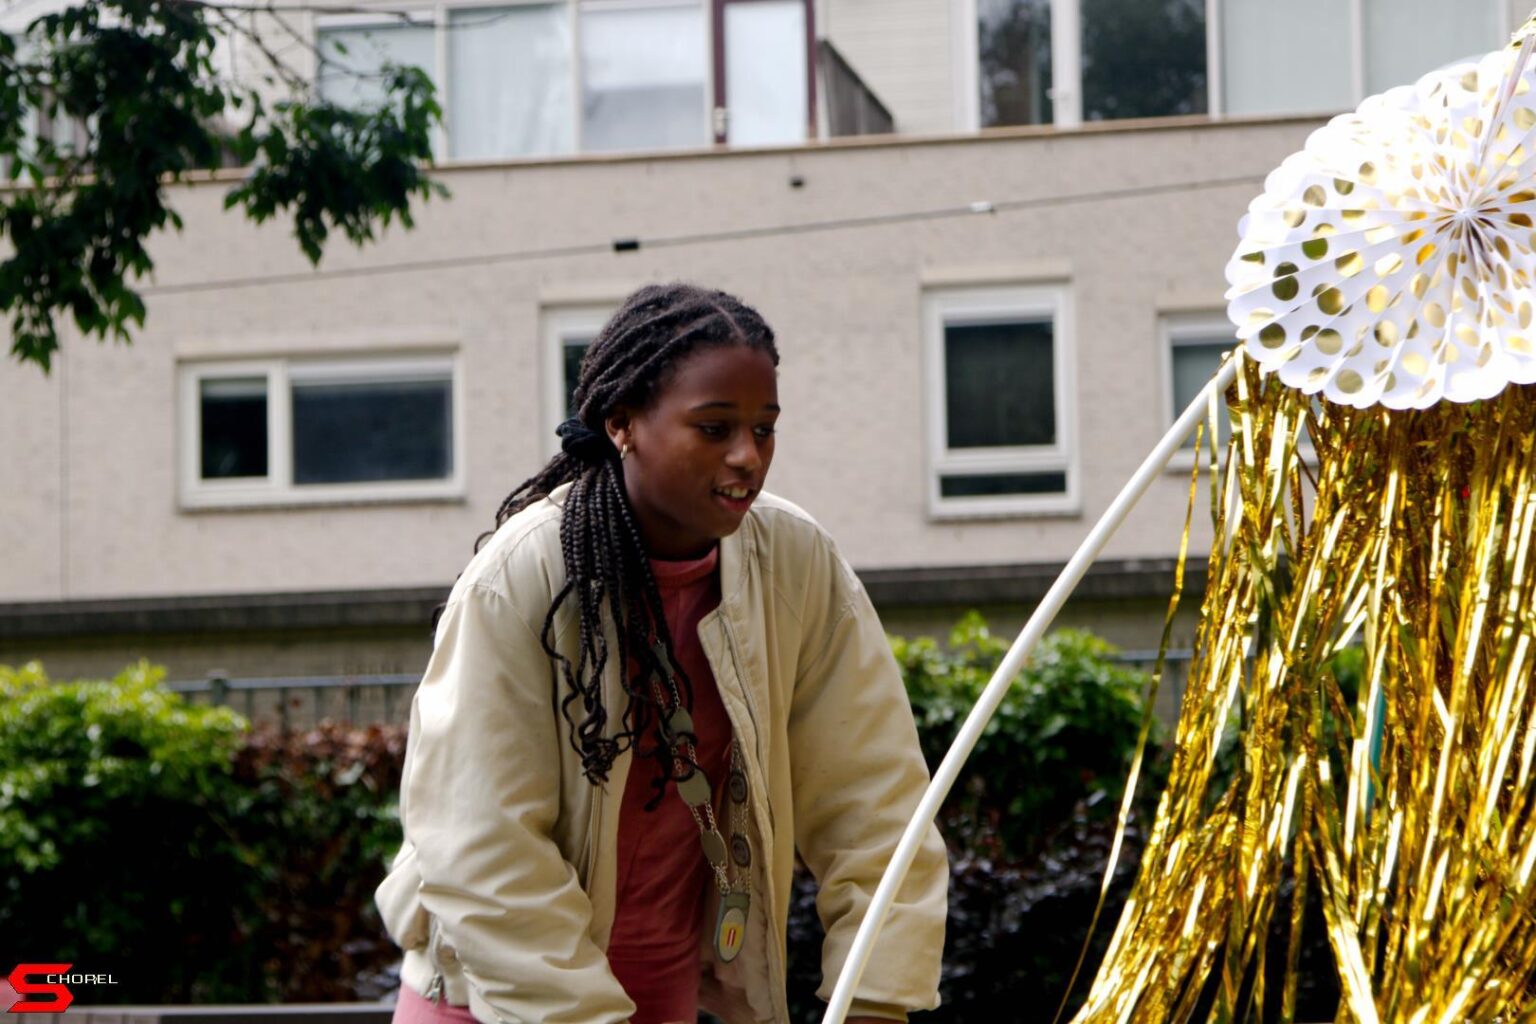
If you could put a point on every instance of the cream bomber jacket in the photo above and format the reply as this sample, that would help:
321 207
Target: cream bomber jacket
503 893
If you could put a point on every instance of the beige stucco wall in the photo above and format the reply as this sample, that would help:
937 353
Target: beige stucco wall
87 467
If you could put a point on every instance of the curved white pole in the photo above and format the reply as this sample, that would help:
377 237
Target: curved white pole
992 696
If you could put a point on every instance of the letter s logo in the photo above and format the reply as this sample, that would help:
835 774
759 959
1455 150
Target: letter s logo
61 995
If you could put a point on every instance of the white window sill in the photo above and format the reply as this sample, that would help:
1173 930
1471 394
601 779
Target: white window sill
953 510
335 495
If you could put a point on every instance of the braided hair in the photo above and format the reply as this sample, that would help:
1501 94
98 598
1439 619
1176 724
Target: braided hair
629 363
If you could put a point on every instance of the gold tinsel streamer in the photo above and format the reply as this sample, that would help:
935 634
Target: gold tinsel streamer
1410 809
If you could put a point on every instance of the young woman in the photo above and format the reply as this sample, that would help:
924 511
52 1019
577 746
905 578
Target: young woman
652 687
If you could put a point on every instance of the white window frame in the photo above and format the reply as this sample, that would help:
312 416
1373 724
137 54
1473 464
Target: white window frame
1175 329
277 488
560 324
961 305
436 15
1066 59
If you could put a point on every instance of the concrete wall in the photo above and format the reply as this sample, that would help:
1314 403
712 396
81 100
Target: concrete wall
87 470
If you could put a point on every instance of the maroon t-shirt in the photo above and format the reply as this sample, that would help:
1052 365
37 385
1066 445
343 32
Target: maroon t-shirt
662 874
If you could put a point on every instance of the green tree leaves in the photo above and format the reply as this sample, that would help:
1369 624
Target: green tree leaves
136 80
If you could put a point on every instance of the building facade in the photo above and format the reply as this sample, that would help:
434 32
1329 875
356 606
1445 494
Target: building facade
985 324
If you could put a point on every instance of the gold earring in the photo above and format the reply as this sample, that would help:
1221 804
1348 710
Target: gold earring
623 451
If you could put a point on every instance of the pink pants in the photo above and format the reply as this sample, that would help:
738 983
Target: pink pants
414 1008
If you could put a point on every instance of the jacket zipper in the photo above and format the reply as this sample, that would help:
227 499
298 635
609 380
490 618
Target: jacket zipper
777 976
594 825
434 993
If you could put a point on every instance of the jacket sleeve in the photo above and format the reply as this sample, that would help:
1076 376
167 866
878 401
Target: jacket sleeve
479 801
858 774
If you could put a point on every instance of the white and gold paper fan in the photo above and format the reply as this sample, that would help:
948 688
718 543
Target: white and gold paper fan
1392 260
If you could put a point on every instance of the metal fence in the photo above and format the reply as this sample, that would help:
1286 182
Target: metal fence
302 701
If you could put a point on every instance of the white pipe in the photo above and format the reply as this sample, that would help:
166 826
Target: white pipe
992 696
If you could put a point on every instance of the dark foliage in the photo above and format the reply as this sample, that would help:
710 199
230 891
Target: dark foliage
1015 928
317 825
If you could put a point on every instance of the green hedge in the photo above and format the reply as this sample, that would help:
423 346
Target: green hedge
1063 733
190 857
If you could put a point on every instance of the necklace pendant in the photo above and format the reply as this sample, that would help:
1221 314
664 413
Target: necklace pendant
731 925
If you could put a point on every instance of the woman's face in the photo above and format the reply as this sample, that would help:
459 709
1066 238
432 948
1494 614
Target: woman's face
699 452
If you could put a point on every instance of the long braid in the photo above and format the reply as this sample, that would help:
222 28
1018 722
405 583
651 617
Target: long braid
607 569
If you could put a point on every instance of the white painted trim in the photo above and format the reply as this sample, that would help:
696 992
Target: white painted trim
943 306
1215 60
353 371
965 43
707 17
557 325
277 488
1066 63
578 92
189 420
442 79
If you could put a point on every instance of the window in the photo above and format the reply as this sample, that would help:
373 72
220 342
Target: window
1015 57
296 431
1194 346
766 72
567 333
642 76
998 368
1067 61
509 80
551 77
1105 59
356 54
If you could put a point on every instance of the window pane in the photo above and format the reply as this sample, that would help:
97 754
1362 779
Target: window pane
1286 58
765 80
1406 38
353 78
509 85
1194 364
642 77
1015 61
233 413
978 485
1143 58
575 348
348 432
999 384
